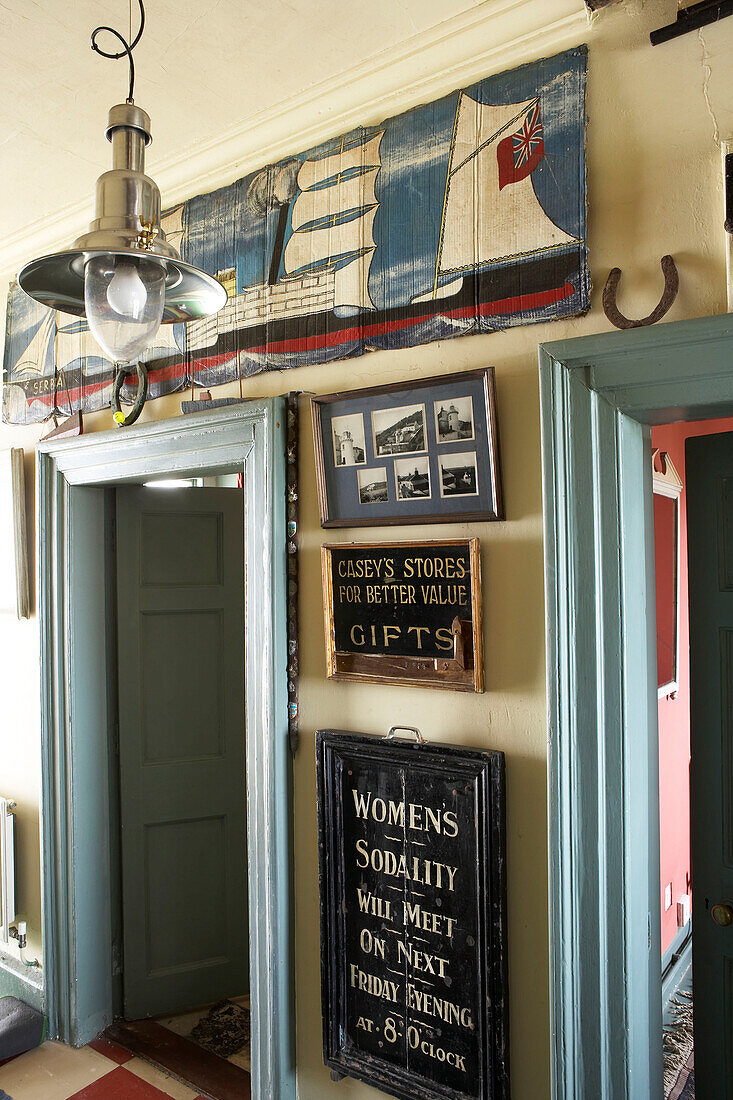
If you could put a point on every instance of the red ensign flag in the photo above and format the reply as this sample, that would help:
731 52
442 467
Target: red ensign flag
520 153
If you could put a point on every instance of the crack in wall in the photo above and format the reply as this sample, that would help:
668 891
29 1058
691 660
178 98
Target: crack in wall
707 75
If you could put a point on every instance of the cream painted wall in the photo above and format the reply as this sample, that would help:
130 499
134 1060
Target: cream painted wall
20 742
20 736
654 187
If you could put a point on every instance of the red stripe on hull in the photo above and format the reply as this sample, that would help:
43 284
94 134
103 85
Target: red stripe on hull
488 309
179 369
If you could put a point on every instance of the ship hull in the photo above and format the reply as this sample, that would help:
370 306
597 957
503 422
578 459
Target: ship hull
496 293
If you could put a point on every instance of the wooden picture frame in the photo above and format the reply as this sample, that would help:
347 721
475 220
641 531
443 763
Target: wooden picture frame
433 892
14 579
387 621
667 485
422 451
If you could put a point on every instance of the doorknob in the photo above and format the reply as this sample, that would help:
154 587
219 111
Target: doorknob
722 914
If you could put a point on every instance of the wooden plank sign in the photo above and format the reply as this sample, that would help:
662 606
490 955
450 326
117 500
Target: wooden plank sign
413 923
463 215
404 612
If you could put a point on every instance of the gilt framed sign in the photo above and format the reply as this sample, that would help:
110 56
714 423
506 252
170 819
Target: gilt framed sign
412 452
404 612
413 921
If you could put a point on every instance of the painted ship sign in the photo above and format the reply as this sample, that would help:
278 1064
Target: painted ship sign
464 215
413 925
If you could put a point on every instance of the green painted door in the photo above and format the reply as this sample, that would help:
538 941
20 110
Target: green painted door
709 462
180 600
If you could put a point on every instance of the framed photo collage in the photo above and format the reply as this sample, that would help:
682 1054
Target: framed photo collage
409 453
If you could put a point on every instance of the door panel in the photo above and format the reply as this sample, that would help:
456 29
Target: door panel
180 592
709 461
175 710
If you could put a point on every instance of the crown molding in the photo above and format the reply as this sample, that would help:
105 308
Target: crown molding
492 36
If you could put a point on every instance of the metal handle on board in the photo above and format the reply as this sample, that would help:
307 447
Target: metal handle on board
412 729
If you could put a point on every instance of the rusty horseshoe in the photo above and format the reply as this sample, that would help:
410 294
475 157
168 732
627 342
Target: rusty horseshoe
671 286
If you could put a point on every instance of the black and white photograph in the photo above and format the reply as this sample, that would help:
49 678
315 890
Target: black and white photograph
373 485
399 431
458 475
412 478
453 419
349 447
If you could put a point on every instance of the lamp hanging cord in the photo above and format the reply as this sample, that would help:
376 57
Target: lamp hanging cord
127 47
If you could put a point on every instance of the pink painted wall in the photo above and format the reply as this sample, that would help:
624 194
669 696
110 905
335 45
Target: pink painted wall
674 714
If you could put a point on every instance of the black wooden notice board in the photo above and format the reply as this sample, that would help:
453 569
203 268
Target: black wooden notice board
413 916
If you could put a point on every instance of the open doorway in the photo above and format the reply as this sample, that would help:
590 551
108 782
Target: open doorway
685 840
600 396
673 724
78 482
180 846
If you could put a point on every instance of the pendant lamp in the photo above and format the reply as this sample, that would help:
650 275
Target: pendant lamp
123 274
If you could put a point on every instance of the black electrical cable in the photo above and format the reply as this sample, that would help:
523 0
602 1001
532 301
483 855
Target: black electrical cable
127 47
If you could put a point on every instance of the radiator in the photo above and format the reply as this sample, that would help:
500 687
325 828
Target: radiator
7 867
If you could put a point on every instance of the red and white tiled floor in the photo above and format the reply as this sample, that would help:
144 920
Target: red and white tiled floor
100 1071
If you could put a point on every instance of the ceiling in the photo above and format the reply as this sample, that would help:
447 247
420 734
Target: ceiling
203 69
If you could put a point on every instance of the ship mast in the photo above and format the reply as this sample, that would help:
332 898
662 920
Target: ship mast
445 195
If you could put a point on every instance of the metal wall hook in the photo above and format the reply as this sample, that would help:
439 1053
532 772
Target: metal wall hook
391 733
692 18
671 286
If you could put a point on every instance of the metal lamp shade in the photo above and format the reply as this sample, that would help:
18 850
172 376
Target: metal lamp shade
58 281
126 223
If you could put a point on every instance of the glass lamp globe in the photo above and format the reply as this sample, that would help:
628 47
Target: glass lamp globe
124 297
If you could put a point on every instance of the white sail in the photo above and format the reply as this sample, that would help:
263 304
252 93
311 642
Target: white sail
33 360
319 246
333 219
364 155
74 340
331 202
477 124
352 287
481 223
443 290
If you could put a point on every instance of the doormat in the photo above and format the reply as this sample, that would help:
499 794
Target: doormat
677 1044
224 1030
684 1086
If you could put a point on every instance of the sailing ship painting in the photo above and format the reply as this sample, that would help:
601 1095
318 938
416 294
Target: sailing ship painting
463 216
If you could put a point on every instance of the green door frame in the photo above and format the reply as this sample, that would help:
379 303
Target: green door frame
598 397
74 479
